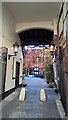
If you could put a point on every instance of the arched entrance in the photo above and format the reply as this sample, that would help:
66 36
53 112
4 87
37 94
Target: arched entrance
36 36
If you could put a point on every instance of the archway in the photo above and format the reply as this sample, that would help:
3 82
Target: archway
36 36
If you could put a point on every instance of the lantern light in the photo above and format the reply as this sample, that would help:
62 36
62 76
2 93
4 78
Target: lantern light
52 48
15 49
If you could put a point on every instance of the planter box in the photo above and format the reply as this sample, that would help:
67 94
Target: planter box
24 85
56 91
47 82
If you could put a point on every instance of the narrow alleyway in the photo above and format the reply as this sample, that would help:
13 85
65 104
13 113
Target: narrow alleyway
32 107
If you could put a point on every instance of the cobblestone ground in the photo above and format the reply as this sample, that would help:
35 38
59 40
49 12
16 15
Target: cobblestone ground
32 107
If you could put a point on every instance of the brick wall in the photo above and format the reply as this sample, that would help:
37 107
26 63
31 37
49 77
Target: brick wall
66 73
62 41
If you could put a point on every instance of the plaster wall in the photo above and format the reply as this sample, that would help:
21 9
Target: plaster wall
9 37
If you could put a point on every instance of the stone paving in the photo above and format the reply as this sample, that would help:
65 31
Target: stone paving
32 107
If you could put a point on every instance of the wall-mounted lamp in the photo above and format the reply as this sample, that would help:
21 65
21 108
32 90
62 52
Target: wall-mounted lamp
15 49
52 49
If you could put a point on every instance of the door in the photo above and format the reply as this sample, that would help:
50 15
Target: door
17 74
4 66
62 85
61 81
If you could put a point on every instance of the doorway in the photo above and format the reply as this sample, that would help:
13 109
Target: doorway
17 74
61 80
4 66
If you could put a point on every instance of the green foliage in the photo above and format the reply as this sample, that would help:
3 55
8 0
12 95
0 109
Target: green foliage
50 85
50 73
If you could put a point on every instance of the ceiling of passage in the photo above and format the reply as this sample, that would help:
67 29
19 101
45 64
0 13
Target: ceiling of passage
33 11
36 37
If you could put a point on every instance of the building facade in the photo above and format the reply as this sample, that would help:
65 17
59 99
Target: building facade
9 35
62 54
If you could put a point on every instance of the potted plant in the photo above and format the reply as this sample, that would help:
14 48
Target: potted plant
49 74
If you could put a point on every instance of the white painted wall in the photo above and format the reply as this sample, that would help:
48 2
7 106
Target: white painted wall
55 26
67 5
19 58
9 37
64 14
65 9
0 24
67 18
24 26
61 24
54 69
65 27
0 55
